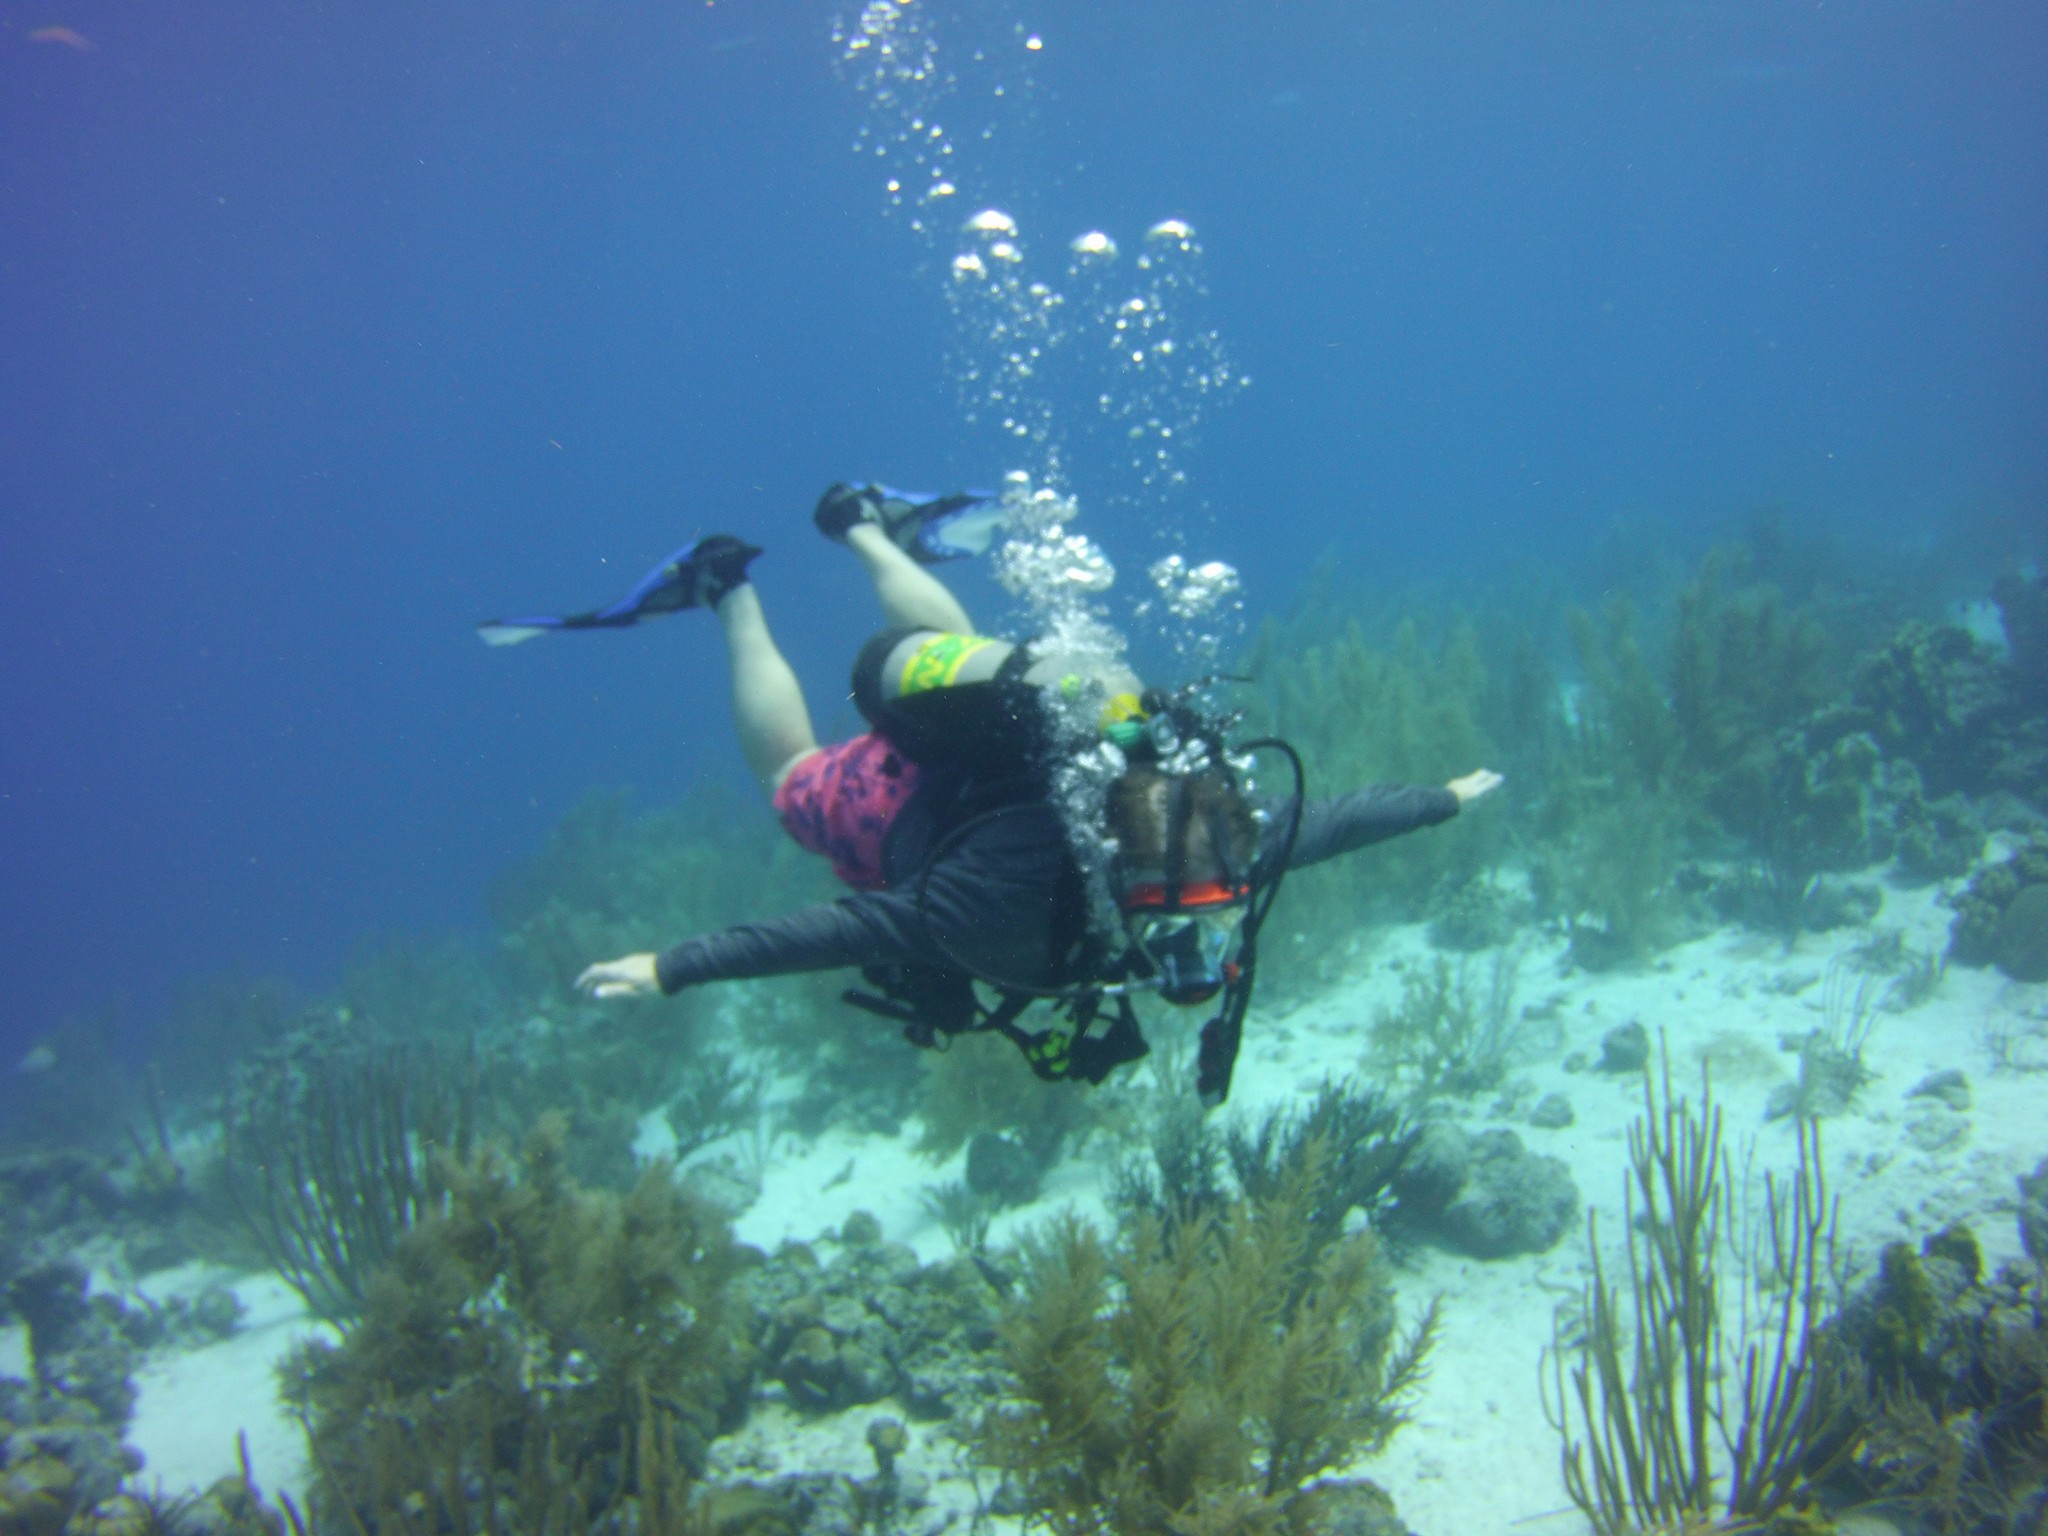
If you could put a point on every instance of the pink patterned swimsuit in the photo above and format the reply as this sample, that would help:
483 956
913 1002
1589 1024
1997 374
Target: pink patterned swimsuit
840 802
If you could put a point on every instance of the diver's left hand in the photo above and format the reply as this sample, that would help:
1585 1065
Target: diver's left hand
627 976
1482 781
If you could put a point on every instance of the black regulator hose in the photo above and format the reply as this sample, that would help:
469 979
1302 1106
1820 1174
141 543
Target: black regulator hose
1216 1054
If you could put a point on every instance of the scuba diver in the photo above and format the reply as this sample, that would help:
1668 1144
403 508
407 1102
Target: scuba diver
973 900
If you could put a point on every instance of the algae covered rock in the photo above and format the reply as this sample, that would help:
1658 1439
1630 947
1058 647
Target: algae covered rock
1514 1201
1624 1048
53 1472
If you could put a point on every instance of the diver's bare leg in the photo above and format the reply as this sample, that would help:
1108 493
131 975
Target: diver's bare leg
767 702
911 595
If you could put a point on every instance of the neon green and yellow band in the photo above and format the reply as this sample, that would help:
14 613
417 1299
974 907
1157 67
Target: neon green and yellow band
937 662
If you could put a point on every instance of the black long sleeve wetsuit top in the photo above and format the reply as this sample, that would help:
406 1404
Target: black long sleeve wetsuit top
998 897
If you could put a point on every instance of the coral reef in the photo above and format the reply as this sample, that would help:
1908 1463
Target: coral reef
536 1355
1947 1372
872 1324
2034 1212
63 1468
1934 694
1978 935
1931 839
79 1347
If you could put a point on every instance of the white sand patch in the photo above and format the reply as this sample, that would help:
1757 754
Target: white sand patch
1479 1456
195 1403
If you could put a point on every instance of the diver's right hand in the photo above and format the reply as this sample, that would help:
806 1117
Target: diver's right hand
627 976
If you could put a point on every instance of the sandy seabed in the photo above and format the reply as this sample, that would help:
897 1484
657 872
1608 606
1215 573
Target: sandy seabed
1479 1456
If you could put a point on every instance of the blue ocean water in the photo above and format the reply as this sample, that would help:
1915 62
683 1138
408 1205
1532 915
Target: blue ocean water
328 331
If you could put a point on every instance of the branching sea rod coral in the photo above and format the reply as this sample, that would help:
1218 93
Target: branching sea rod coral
1709 1411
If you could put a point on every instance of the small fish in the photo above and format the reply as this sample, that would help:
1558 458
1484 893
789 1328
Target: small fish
64 35
40 1059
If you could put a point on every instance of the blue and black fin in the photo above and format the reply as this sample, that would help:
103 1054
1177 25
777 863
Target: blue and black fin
696 576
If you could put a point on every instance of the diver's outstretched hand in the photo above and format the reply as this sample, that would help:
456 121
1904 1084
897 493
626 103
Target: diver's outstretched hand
1481 781
627 976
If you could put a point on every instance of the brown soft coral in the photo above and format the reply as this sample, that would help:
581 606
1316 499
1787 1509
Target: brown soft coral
1194 1377
539 1346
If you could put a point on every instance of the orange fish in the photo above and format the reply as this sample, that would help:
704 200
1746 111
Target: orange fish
64 35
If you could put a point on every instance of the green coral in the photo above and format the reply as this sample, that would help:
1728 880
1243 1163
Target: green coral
538 1348
1744 666
1610 828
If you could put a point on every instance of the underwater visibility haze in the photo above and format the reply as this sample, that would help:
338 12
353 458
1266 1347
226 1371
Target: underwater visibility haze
1647 404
